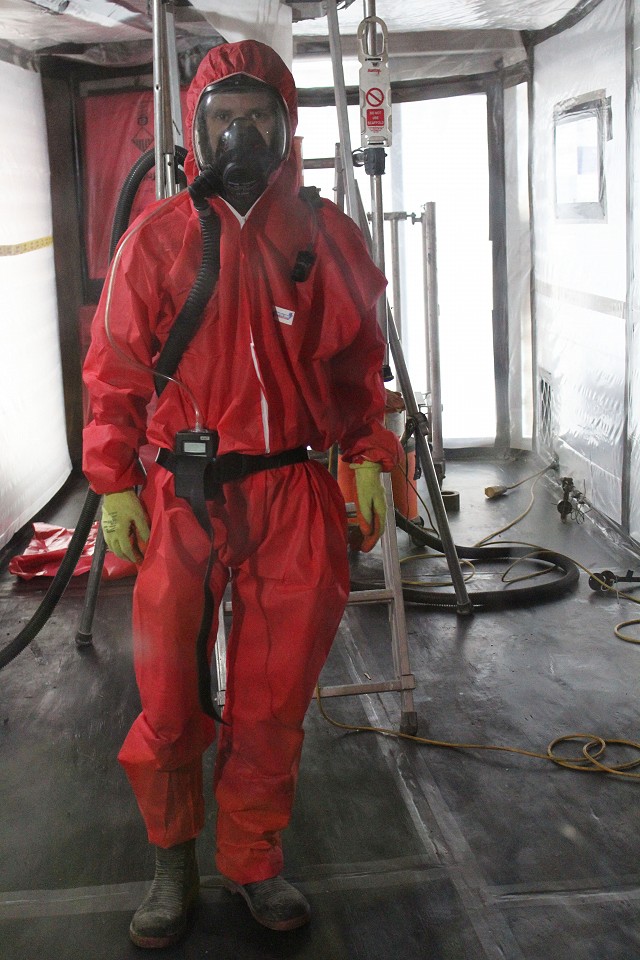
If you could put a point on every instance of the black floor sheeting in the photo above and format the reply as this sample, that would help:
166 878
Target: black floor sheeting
404 850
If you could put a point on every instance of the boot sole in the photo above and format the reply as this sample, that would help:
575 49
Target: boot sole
157 943
280 925
168 940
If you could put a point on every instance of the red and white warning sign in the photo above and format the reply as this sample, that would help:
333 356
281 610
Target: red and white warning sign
374 96
375 85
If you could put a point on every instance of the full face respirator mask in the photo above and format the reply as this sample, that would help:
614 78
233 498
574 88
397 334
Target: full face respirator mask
240 136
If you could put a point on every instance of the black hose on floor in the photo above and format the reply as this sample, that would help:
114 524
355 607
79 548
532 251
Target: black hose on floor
489 599
58 584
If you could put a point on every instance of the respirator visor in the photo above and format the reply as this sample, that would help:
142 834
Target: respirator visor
240 121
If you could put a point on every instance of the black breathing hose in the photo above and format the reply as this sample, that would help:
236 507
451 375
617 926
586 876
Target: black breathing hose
130 187
188 320
92 501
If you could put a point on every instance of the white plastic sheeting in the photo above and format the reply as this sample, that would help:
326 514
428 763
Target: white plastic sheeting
427 55
264 20
633 324
119 33
440 156
581 265
518 226
34 461
417 15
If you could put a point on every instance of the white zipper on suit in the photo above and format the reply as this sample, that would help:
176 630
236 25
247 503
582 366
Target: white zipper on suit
264 406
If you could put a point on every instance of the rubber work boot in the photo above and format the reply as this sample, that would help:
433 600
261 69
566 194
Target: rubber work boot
274 903
161 918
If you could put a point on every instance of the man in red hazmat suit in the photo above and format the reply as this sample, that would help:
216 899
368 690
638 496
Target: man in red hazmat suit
282 360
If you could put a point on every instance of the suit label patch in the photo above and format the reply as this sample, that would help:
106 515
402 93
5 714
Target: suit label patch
283 315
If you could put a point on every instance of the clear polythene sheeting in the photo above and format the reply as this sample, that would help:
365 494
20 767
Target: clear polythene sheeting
633 326
424 57
581 251
416 15
34 461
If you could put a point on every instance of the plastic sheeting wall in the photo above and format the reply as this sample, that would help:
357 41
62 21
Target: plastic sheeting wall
581 267
125 119
34 461
634 301
516 129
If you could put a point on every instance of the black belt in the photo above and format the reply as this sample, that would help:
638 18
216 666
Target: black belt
230 466
199 479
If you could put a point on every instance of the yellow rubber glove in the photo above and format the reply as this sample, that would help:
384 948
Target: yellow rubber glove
372 504
125 525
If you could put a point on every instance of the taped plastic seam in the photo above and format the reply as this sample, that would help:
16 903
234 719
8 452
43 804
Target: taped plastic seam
35 460
581 258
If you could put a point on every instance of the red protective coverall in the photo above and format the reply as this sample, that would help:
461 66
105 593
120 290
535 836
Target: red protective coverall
274 365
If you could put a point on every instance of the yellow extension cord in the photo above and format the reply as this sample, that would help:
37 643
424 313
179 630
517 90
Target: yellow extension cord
591 759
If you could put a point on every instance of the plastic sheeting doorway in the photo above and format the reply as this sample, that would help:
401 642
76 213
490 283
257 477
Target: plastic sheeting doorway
440 155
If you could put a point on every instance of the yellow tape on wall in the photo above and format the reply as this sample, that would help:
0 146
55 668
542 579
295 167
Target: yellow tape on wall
13 249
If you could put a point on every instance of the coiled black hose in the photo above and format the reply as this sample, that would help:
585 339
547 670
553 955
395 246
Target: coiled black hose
488 599
92 501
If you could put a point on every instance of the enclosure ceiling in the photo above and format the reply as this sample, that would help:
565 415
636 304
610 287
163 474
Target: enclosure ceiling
113 32
404 16
86 29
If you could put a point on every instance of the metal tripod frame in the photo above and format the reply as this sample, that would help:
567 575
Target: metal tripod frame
376 239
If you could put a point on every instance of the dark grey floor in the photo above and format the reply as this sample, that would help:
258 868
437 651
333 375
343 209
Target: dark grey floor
404 850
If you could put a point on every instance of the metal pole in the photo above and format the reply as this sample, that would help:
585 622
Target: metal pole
341 105
165 175
374 162
464 605
393 219
430 279
377 232
174 77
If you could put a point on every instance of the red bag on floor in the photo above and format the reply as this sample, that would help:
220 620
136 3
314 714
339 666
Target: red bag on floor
49 543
